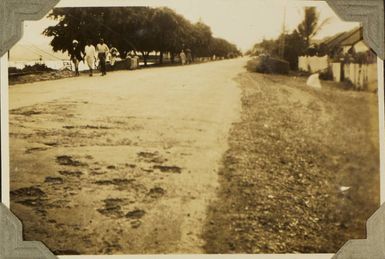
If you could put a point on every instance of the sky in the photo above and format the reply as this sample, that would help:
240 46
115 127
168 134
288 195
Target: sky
242 22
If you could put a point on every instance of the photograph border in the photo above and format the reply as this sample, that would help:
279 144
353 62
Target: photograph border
370 13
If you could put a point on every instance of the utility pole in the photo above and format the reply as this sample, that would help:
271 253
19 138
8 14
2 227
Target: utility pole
283 43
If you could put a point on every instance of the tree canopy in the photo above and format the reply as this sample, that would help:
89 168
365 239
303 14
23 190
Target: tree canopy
139 29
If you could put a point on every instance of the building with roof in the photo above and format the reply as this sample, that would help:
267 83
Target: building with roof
347 43
344 57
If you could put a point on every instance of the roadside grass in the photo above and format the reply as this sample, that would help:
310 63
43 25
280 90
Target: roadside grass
301 174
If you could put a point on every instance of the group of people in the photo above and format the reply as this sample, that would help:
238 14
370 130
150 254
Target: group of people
186 57
90 55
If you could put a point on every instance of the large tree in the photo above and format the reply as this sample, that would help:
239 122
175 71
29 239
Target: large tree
295 46
171 31
201 39
116 25
222 48
141 29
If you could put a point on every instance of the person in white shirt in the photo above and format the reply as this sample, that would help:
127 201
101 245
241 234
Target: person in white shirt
90 55
102 55
182 57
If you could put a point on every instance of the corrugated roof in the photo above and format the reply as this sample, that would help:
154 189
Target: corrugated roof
345 38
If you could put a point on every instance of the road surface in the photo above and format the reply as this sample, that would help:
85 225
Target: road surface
122 164
204 158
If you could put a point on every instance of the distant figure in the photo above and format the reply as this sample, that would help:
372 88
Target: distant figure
189 59
90 55
114 53
76 55
182 57
103 50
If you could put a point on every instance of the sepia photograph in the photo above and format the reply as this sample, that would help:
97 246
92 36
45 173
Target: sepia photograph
193 127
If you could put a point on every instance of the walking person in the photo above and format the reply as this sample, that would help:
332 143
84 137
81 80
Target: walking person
90 56
189 58
182 57
114 53
76 55
103 50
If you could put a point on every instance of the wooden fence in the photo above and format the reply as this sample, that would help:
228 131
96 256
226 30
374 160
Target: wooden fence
361 76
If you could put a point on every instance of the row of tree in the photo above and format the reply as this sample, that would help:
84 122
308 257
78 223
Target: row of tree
289 46
138 29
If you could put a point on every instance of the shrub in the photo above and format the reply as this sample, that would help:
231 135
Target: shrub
28 69
12 70
266 64
37 68
326 75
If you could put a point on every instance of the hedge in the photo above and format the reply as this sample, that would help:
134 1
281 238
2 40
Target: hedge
265 64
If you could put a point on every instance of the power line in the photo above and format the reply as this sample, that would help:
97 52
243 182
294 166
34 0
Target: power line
30 49
39 54
41 50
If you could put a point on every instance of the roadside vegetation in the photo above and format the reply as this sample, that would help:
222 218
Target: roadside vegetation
302 170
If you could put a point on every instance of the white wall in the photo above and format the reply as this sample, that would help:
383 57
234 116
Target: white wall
313 64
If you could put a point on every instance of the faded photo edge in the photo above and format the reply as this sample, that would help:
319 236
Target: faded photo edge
371 13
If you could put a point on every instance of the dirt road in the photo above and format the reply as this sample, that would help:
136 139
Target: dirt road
206 158
122 164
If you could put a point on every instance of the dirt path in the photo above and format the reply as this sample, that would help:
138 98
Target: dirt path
121 164
302 170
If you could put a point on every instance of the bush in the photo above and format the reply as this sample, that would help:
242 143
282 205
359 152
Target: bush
326 75
12 70
265 64
36 68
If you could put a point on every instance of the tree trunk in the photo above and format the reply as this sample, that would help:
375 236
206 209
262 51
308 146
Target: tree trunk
144 55
161 58
172 58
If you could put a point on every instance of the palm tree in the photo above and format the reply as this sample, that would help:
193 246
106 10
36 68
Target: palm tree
310 26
